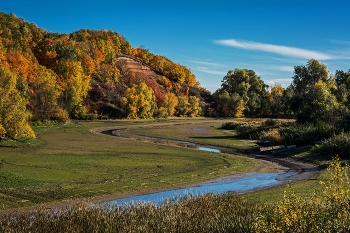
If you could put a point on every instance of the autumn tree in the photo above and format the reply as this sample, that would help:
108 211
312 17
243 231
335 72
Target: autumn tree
169 106
13 114
277 104
76 86
44 94
188 106
139 102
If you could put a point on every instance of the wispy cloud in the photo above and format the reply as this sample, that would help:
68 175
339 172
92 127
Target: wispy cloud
285 68
211 71
341 42
285 82
211 64
277 49
210 67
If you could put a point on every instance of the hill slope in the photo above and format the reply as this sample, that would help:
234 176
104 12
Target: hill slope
90 72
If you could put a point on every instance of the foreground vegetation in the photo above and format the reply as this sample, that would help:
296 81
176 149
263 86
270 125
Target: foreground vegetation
326 211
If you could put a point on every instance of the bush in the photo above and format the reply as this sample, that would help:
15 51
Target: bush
301 134
273 136
335 145
60 115
271 122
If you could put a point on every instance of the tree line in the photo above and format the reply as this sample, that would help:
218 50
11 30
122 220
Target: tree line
314 96
48 76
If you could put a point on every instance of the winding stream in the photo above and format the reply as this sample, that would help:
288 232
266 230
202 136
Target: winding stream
237 183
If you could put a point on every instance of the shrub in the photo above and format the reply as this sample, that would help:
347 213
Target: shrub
335 145
273 136
301 134
271 122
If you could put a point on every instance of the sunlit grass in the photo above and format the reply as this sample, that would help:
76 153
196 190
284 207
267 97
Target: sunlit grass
327 210
68 161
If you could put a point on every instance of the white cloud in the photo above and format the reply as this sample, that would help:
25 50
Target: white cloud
210 71
285 82
278 49
211 64
342 42
210 67
285 68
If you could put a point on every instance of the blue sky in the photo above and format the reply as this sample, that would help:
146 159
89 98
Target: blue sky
212 37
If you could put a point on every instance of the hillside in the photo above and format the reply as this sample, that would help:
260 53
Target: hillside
94 73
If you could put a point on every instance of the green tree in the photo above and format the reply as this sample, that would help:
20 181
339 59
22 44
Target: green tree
248 86
313 88
287 99
231 105
343 84
13 114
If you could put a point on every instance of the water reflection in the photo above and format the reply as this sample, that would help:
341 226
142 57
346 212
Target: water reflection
248 182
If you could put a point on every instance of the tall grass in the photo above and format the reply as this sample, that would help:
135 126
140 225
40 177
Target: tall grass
327 210
209 213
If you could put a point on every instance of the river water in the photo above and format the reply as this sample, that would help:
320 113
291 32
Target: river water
248 182
238 183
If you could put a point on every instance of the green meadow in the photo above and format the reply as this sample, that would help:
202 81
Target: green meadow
72 162
69 162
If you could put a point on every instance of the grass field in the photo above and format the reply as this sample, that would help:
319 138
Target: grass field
205 132
68 161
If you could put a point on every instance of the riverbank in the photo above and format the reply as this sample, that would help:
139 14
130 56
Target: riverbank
87 142
68 162
302 170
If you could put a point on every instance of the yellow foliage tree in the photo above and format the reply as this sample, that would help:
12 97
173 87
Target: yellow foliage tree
45 93
188 106
169 107
13 114
77 87
139 102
